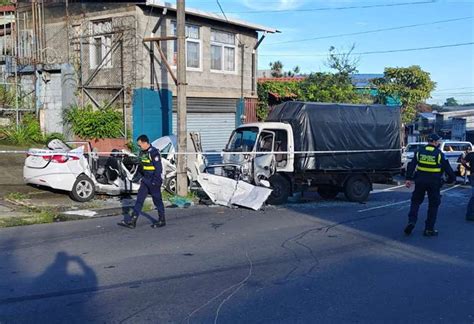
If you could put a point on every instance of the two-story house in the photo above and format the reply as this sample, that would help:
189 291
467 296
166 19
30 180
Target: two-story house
106 46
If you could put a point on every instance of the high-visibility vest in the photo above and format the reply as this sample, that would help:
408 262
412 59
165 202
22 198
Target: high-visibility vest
429 159
145 160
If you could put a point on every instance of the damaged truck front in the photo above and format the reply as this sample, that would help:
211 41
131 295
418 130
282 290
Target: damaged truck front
332 148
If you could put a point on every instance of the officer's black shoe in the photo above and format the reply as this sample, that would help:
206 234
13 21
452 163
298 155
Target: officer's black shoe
409 228
430 233
159 223
130 224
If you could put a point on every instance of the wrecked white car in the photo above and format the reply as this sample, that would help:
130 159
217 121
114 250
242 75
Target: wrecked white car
195 163
75 168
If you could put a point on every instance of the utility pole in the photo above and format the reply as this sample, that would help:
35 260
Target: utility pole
182 177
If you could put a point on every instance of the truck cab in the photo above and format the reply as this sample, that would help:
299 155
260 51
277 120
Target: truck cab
261 145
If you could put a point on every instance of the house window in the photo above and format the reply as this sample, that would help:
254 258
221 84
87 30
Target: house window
193 46
100 44
222 51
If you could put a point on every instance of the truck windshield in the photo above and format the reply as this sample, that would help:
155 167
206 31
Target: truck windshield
243 140
414 147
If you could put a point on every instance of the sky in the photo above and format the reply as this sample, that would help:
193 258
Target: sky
439 23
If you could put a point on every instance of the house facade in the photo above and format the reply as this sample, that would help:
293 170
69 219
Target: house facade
454 123
105 47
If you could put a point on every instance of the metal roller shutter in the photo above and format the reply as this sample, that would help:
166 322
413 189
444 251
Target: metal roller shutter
209 105
213 118
215 128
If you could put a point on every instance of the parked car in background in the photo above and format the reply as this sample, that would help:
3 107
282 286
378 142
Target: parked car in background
452 150
408 154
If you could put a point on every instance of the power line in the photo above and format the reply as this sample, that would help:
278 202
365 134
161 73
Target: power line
333 8
372 52
372 31
450 89
225 16
222 10
445 97
454 93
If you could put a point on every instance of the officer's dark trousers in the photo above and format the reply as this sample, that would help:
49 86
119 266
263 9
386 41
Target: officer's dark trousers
146 187
470 205
422 186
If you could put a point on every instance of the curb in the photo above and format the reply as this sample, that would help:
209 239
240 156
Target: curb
111 211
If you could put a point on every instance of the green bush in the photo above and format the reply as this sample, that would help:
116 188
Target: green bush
88 123
133 147
7 96
28 132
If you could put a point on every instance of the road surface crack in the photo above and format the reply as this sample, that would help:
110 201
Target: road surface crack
234 288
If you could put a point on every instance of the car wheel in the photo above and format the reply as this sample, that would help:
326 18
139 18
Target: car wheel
357 188
171 185
83 189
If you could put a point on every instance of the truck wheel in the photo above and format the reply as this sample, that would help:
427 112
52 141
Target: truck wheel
357 188
281 190
83 189
327 192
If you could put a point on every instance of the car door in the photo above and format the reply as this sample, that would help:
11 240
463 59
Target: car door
264 161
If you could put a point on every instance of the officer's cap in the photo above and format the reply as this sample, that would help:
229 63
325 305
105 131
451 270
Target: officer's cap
433 138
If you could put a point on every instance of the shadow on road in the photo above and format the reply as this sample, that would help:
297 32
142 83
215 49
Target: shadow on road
62 292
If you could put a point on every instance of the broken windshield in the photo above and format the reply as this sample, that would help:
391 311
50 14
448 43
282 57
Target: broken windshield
243 140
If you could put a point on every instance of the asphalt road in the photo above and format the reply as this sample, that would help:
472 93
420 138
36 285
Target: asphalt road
324 262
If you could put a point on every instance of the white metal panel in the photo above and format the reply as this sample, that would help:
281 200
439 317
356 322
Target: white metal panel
215 128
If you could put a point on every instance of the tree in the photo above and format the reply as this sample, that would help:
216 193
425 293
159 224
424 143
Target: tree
343 62
327 87
277 69
410 86
451 102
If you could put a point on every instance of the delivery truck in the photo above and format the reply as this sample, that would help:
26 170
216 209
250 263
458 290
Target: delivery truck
328 147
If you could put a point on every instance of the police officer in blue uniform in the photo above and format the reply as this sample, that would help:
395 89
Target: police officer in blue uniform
152 169
430 164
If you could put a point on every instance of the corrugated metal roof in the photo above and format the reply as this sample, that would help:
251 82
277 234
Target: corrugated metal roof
213 16
7 8
427 115
283 79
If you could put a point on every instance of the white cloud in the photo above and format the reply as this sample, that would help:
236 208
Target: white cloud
280 4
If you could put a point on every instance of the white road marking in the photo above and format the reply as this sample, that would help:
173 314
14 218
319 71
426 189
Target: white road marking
401 202
385 190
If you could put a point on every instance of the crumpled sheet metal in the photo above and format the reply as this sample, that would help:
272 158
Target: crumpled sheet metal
227 192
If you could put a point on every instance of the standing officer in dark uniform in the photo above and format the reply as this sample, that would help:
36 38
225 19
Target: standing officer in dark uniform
468 162
430 164
152 169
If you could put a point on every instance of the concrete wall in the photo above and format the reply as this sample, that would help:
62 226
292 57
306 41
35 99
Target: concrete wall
50 96
55 93
203 83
